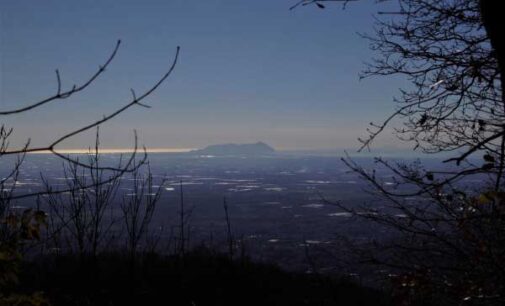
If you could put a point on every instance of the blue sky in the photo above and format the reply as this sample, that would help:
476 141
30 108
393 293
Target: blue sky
248 71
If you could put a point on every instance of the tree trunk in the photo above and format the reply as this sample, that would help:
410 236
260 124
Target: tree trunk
493 17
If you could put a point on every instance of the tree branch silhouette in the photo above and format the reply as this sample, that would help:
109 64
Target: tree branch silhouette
66 94
121 169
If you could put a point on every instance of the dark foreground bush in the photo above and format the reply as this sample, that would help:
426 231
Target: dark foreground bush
200 278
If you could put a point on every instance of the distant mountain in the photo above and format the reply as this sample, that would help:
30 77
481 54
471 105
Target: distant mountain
259 148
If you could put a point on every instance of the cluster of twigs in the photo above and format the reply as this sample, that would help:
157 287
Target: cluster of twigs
449 243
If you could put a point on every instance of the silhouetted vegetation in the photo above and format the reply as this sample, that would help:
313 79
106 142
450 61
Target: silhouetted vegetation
449 247
201 277
76 212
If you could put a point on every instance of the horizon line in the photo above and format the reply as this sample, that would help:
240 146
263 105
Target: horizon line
115 151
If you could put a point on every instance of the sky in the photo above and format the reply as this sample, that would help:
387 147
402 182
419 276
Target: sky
248 71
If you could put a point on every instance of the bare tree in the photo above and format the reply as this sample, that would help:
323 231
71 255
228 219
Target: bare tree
61 94
449 247
138 209
136 100
89 199
79 215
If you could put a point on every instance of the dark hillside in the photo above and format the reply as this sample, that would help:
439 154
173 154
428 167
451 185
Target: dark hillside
200 278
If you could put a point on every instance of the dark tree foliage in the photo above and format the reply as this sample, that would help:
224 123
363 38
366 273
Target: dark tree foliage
455 101
450 224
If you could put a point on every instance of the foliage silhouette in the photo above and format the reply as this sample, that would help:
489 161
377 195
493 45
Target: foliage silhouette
18 229
450 243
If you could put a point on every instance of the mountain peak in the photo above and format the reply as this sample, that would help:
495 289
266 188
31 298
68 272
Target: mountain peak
259 148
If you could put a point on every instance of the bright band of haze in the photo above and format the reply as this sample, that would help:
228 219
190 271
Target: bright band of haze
116 151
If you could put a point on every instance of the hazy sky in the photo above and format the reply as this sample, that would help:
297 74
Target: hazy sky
248 71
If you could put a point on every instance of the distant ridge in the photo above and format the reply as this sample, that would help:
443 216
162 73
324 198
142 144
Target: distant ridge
259 148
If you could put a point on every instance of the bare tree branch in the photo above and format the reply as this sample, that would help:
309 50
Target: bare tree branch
66 94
